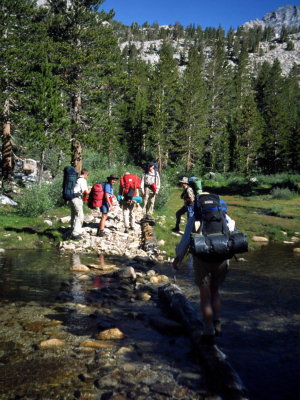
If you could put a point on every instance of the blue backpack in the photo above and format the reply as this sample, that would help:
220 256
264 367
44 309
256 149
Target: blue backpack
215 242
69 182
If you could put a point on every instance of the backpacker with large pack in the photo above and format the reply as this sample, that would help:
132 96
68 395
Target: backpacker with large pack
196 184
96 196
215 242
130 183
69 182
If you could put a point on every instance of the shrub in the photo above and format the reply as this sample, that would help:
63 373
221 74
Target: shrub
282 194
35 200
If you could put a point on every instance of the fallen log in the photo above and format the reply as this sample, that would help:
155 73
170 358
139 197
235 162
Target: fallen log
220 374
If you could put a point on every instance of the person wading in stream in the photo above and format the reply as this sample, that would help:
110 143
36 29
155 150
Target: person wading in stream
107 203
209 275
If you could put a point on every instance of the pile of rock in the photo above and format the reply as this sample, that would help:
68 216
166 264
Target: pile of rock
115 241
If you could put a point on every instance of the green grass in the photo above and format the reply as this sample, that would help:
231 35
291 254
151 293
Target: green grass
255 216
18 232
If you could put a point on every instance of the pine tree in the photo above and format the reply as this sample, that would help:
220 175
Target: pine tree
86 51
15 16
163 108
216 154
193 130
246 124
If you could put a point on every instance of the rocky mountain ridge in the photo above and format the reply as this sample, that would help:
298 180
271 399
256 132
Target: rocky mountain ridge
288 16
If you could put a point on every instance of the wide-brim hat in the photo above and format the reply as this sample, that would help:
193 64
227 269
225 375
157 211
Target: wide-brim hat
113 177
184 180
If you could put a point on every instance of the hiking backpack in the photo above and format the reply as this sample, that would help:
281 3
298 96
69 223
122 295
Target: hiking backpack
69 182
215 242
196 184
129 184
96 195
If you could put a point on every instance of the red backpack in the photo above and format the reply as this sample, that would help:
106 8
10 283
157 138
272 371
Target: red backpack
96 196
130 181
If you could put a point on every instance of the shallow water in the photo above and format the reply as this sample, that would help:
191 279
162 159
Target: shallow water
261 320
261 310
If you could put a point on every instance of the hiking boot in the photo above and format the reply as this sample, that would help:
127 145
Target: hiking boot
176 229
131 228
100 233
126 230
218 327
76 237
208 340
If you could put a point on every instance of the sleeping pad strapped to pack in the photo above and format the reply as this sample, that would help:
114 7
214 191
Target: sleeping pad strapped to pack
215 242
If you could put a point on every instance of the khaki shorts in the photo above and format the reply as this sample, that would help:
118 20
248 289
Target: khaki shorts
209 272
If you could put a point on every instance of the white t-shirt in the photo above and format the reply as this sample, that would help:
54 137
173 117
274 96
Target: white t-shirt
81 185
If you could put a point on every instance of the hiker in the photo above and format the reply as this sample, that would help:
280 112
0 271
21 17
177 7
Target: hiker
188 197
208 274
150 185
129 185
76 205
107 202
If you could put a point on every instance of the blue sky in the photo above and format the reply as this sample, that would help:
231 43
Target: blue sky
213 13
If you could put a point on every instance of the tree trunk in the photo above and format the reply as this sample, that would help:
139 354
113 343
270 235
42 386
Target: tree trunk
76 149
76 160
41 167
7 153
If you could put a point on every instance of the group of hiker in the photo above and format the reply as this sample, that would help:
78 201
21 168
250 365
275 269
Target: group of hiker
210 234
101 196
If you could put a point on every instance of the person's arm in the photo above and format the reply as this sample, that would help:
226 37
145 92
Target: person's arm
157 182
183 246
143 184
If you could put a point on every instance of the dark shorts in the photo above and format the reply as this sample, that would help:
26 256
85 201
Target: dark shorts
209 273
104 209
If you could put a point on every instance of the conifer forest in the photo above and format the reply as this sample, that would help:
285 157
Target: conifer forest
72 80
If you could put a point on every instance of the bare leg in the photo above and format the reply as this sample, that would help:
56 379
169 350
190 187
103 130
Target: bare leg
102 222
207 310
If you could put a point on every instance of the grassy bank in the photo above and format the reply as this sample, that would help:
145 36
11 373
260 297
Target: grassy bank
19 232
275 219
257 215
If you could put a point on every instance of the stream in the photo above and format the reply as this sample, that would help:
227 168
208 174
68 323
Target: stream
261 319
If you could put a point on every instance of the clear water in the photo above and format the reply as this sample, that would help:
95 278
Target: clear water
261 309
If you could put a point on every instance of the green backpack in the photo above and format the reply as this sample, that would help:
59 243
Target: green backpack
196 184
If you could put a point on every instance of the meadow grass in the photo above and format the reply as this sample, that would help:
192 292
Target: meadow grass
275 219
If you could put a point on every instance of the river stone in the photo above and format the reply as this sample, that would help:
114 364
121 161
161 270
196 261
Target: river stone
110 334
144 296
126 273
96 344
154 279
296 250
2 250
50 343
84 278
65 220
151 272
162 278
261 239
80 267
124 350
295 239
129 367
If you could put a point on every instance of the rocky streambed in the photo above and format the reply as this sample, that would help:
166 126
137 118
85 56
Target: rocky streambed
107 334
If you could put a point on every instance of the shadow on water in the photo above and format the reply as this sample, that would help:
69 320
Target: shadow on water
261 321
